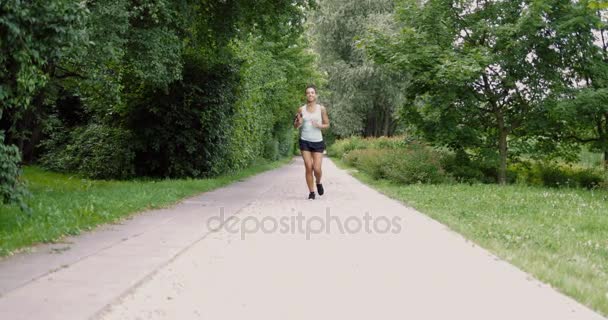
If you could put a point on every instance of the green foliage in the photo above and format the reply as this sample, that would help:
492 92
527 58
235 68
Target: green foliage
482 73
12 189
463 169
273 79
557 175
395 159
363 96
286 141
271 150
184 132
34 35
344 146
95 151
162 88
416 164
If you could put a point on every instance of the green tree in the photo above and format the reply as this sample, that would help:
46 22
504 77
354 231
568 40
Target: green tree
583 110
482 72
33 36
362 95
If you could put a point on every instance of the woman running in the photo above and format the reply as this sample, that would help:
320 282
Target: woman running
312 117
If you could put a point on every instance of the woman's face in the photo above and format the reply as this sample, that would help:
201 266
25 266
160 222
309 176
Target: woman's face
311 94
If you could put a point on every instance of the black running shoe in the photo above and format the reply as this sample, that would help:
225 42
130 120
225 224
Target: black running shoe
311 196
320 189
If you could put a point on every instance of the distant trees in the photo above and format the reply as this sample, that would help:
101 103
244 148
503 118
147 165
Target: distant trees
363 95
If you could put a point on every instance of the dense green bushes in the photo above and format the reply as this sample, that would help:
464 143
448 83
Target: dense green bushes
11 188
96 151
392 158
406 161
556 175
116 89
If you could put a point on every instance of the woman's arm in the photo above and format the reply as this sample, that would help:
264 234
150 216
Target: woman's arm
298 120
325 119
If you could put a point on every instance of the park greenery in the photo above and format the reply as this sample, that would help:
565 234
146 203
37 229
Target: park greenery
119 89
173 89
109 107
502 80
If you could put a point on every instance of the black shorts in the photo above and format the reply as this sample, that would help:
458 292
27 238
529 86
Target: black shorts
312 146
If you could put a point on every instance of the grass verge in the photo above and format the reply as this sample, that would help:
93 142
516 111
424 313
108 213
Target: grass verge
560 236
66 204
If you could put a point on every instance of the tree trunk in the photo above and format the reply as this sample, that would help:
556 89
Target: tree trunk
605 141
387 122
502 149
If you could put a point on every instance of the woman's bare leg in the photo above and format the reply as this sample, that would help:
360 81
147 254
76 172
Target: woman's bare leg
308 165
317 161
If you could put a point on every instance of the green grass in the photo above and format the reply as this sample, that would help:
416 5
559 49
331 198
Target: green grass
66 205
558 235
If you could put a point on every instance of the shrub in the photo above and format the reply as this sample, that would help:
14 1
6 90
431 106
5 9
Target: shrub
414 165
12 190
555 175
372 161
460 166
588 178
271 150
95 151
352 158
286 142
341 147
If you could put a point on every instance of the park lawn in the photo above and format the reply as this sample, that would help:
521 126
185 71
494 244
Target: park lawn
560 236
66 204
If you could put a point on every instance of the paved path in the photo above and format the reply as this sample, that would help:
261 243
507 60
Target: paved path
275 259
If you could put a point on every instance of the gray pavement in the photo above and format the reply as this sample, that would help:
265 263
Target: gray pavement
353 254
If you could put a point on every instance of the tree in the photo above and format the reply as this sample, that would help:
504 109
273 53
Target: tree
583 110
33 34
482 71
363 96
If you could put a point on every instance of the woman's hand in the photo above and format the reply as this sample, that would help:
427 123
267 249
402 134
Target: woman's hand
316 124
298 120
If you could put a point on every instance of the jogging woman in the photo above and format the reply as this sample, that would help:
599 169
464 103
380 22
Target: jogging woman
312 117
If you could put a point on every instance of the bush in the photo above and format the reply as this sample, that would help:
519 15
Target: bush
418 164
372 161
588 178
286 142
341 147
271 150
185 132
555 175
415 165
95 151
12 190
460 166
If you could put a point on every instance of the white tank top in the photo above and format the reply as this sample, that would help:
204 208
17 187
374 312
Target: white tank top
310 132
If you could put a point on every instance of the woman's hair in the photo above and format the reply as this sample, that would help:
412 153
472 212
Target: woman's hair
309 87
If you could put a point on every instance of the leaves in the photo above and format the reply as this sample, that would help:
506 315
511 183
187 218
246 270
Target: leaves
488 70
